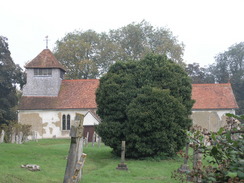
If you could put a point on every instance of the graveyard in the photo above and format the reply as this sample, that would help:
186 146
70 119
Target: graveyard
100 165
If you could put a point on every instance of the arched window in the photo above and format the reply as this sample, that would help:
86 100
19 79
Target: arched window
66 122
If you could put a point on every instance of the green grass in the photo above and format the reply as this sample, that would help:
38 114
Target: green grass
100 165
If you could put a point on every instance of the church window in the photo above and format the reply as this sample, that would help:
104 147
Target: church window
42 72
66 122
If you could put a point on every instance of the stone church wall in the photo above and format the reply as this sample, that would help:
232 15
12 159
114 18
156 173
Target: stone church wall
48 124
210 119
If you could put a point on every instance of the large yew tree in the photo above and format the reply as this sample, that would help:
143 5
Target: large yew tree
146 103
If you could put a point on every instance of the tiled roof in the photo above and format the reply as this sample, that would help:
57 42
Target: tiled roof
213 96
78 94
73 94
45 59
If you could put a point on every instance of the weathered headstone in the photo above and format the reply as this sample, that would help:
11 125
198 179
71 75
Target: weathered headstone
20 140
75 159
99 141
2 136
185 168
16 139
13 134
197 163
93 139
122 165
87 137
34 136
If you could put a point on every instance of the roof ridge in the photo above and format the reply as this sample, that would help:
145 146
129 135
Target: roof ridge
40 96
81 79
213 84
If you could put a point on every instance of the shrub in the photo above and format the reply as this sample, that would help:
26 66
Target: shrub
147 104
14 128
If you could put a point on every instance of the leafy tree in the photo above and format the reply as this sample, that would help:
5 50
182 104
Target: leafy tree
85 54
135 40
10 74
88 54
199 74
229 67
146 103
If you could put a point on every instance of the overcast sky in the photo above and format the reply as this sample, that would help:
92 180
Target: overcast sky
206 27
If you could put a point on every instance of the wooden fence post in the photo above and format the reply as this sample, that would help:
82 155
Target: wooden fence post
76 159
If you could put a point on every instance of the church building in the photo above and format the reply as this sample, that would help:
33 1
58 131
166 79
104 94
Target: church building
49 102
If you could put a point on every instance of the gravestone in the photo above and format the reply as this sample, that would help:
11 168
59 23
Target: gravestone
185 168
2 136
93 139
20 138
197 163
99 141
122 165
34 136
76 158
13 136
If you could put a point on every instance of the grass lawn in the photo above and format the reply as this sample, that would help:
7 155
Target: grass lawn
100 165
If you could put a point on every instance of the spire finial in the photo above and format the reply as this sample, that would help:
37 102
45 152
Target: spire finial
46 42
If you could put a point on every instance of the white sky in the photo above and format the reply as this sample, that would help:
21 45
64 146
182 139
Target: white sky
206 27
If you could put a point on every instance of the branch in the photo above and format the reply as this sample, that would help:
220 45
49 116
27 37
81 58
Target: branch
232 132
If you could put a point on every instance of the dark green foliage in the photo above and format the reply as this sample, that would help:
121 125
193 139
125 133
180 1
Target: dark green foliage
153 131
146 103
10 74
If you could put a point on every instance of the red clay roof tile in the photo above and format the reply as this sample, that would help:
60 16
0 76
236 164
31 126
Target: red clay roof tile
213 96
73 94
78 94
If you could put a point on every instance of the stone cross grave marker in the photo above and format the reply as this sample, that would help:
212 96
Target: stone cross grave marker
76 158
122 165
